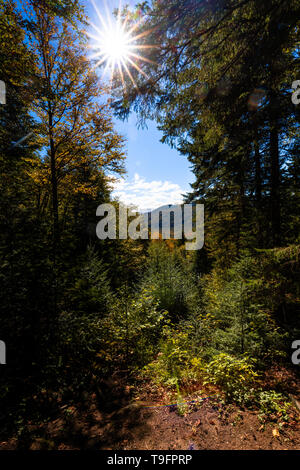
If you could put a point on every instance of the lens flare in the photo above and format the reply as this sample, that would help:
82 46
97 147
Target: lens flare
116 46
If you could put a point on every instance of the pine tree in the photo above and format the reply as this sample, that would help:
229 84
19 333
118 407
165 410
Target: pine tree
221 94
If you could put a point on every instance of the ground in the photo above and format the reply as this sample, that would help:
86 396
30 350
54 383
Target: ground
118 419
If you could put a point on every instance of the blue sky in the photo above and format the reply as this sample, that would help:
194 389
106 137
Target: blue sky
156 174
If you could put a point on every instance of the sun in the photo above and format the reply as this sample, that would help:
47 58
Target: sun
116 46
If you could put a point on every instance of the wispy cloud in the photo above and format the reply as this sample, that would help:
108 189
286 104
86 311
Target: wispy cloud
147 195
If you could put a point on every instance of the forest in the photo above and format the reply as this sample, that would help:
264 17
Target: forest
123 344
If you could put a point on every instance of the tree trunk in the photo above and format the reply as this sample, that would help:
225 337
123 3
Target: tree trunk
275 182
258 183
53 185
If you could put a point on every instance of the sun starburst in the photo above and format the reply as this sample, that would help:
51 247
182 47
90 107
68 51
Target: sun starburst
116 46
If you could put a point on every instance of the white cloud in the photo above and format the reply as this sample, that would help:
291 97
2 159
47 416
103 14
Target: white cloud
147 195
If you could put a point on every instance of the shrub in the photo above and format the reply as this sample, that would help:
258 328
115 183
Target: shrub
234 376
273 404
174 363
